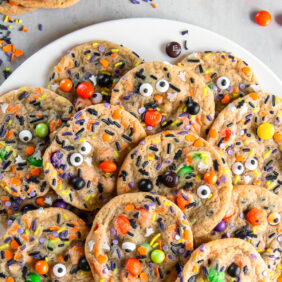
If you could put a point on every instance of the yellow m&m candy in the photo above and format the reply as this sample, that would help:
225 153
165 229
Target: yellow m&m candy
265 131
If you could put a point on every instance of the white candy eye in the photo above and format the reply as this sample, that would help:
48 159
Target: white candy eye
128 246
25 136
85 148
251 163
223 82
238 168
203 191
146 89
59 270
274 218
162 85
97 98
76 159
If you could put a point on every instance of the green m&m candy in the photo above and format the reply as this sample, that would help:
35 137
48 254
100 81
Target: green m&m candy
215 275
184 171
32 277
42 130
157 256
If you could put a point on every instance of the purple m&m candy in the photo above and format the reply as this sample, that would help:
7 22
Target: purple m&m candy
60 204
220 227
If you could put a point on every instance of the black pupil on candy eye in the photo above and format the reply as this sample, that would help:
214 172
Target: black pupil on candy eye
60 270
276 220
145 90
253 162
83 149
25 138
162 83
77 159
239 167
223 82
204 192
94 95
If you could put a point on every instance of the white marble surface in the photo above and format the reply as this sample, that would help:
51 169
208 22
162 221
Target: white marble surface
230 18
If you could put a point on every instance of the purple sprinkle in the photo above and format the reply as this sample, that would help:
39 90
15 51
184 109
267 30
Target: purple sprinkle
183 132
141 110
131 184
223 179
41 240
242 86
77 115
87 75
241 215
253 256
101 49
115 242
165 248
171 209
149 128
8 204
170 256
20 230
205 271
57 159
107 105
7 240
202 248
119 254
33 225
142 142
159 165
92 59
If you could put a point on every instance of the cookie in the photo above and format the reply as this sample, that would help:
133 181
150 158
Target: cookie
249 134
254 214
29 117
9 9
47 4
166 97
138 237
45 245
227 75
184 168
82 162
13 207
225 260
87 73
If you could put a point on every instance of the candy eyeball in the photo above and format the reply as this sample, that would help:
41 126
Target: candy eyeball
85 148
162 85
203 191
59 270
146 89
274 218
238 168
223 82
25 136
96 98
251 163
76 159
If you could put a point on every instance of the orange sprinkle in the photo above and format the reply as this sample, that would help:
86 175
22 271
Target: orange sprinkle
129 207
277 137
186 234
114 55
194 269
212 133
52 126
59 69
116 114
143 276
15 181
26 223
158 99
18 53
9 254
60 258
101 259
25 238
235 90
54 228
15 228
160 210
35 171
40 201
13 3
10 134
190 138
189 159
107 137
124 124
239 158
225 100
10 279
171 227
29 150
254 96
198 143
17 256
157 271
14 245
142 251
191 93
104 63
247 71
8 48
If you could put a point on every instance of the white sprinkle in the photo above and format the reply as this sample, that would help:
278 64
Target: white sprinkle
106 246
193 55
202 166
149 231
40 210
19 160
244 110
231 107
182 75
171 96
54 87
256 87
128 246
88 160
37 155
93 78
48 201
247 179
4 107
177 237
91 245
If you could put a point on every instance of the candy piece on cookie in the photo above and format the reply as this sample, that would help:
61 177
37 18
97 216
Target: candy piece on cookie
29 118
165 97
45 245
254 214
225 260
87 72
248 132
138 237
82 162
6 8
46 4
228 76
186 169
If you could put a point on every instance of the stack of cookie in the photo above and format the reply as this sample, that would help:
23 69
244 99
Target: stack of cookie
17 7
124 170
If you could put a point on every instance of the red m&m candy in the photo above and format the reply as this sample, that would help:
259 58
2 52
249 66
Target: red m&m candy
85 90
263 18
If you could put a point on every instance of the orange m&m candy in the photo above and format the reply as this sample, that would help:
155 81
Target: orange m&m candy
133 266
85 90
210 177
255 216
108 166
66 85
41 267
153 118
122 225
263 18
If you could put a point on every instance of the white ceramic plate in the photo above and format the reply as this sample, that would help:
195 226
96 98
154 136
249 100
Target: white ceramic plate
147 37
